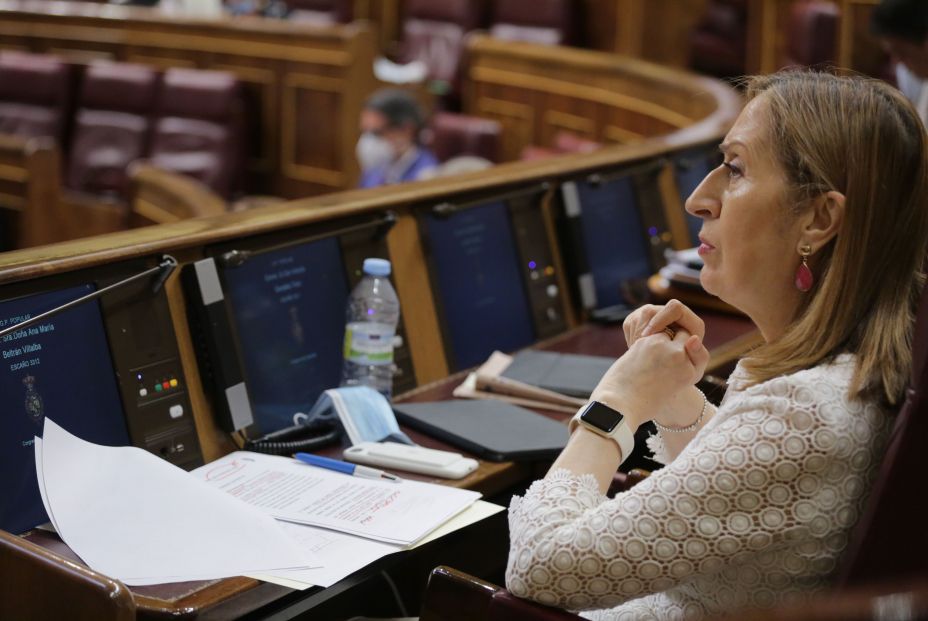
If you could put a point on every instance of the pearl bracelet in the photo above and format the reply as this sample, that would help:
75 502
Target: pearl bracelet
691 426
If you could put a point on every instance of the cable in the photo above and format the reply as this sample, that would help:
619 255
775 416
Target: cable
304 437
396 594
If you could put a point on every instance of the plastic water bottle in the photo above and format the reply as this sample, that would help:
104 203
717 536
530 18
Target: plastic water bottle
371 319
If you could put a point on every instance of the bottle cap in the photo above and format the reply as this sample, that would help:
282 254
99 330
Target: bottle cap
377 267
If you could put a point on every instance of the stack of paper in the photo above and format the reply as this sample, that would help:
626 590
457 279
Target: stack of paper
137 518
400 513
348 522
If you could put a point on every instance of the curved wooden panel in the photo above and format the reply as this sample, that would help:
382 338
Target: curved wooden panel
158 196
534 91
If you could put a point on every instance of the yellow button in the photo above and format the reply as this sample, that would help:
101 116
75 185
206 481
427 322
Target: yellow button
173 383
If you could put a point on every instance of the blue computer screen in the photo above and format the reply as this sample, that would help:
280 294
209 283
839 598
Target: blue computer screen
613 237
60 369
689 170
288 307
479 283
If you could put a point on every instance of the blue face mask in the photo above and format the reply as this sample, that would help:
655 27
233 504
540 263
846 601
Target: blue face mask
365 414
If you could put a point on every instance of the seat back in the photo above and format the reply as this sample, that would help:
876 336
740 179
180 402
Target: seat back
199 130
111 126
888 542
549 22
453 135
34 95
718 44
38 584
812 37
321 11
433 32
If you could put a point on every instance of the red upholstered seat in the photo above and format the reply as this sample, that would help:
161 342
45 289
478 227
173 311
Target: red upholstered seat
321 11
111 126
812 33
549 22
34 95
889 542
198 131
453 135
434 32
564 142
718 44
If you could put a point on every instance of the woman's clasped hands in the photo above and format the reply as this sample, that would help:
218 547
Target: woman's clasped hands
655 378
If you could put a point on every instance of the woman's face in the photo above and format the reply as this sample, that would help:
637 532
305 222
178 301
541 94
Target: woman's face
749 237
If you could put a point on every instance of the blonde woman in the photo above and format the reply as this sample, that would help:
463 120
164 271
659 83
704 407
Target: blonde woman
815 227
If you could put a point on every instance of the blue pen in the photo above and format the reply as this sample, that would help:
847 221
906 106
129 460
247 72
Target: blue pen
343 466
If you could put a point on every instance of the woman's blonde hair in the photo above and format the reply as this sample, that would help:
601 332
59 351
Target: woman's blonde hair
862 138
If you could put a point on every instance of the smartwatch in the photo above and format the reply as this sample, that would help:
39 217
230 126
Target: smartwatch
603 420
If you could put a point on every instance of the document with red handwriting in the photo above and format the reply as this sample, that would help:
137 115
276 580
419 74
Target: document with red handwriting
400 513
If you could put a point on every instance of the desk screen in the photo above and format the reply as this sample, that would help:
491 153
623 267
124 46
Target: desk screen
479 282
60 368
613 237
289 311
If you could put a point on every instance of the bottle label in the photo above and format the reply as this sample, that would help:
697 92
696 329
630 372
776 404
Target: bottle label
369 343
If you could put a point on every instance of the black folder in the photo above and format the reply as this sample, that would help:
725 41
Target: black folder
492 430
569 374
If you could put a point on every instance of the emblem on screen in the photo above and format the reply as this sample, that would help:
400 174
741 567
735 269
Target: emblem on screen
35 407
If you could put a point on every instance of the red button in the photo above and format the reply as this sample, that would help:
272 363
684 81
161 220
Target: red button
166 385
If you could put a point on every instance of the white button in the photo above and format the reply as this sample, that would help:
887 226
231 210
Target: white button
552 291
552 314
397 341
535 275
143 392
176 411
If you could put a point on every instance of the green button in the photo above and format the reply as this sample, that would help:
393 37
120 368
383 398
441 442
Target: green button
158 388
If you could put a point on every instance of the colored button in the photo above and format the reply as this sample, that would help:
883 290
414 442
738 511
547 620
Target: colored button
176 411
158 388
143 392
173 383
165 385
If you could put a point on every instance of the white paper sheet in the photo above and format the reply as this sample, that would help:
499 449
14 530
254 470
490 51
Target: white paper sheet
135 517
290 490
41 478
343 554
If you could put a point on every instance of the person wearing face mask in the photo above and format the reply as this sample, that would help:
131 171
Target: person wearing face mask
389 149
902 26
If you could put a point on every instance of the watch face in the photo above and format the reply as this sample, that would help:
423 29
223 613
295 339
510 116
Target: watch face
601 416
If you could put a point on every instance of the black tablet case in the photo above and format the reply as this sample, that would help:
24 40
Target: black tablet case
569 374
492 430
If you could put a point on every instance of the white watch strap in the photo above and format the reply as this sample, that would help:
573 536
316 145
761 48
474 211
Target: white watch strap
622 435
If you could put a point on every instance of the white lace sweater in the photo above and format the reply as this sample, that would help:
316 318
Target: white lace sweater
754 512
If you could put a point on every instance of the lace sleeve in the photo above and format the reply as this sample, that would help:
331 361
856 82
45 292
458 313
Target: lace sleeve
775 466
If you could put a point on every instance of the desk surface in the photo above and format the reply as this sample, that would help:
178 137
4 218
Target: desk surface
727 336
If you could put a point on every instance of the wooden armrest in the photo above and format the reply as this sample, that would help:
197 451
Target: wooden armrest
39 584
452 595
622 481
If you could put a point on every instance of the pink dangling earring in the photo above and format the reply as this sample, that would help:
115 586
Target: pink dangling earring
804 279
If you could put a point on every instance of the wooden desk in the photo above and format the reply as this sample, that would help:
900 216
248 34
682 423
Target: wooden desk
234 597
